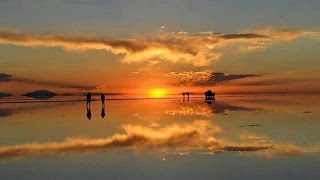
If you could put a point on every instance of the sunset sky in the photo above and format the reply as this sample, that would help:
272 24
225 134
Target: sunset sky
166 46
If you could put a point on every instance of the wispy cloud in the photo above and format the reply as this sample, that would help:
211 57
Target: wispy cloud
198 49
282 78
8 77
285 34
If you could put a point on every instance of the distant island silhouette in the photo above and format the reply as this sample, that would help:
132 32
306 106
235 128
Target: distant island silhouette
2 95
40 94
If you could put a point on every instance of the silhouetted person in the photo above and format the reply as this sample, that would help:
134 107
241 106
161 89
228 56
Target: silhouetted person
88 112
102 99
88 98
184 94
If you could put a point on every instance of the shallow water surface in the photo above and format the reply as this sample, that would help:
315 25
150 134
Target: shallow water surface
234 137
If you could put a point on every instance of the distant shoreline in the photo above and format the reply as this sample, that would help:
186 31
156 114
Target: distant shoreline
79 100
12 101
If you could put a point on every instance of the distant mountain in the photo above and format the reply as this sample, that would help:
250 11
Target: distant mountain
41 94
5 95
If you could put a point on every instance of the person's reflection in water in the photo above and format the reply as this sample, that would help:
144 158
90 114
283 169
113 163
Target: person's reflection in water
103 112
88 112
88 105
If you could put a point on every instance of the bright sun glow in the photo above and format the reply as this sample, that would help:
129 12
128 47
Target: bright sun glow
158 93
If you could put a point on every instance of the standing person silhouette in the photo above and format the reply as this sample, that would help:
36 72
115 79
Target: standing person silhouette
102 99
88 99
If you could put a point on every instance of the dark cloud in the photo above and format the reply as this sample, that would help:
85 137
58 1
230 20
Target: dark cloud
207 77
217 78
66 85
244 36
5 94
5 77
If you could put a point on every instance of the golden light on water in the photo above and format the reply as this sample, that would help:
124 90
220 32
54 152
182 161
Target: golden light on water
158 92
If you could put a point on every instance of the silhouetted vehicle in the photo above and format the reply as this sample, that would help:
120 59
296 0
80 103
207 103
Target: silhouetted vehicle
88 98
210 95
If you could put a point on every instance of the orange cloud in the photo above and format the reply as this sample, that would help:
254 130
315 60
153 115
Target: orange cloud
198 49
173 47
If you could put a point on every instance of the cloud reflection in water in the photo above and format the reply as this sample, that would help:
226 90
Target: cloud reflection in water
199 135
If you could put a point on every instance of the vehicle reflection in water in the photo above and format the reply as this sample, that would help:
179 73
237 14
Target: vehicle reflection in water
207 108
223 108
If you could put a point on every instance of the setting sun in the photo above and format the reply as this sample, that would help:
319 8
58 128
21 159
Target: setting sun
158 92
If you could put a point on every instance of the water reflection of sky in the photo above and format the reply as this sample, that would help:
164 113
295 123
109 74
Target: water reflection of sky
162 133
